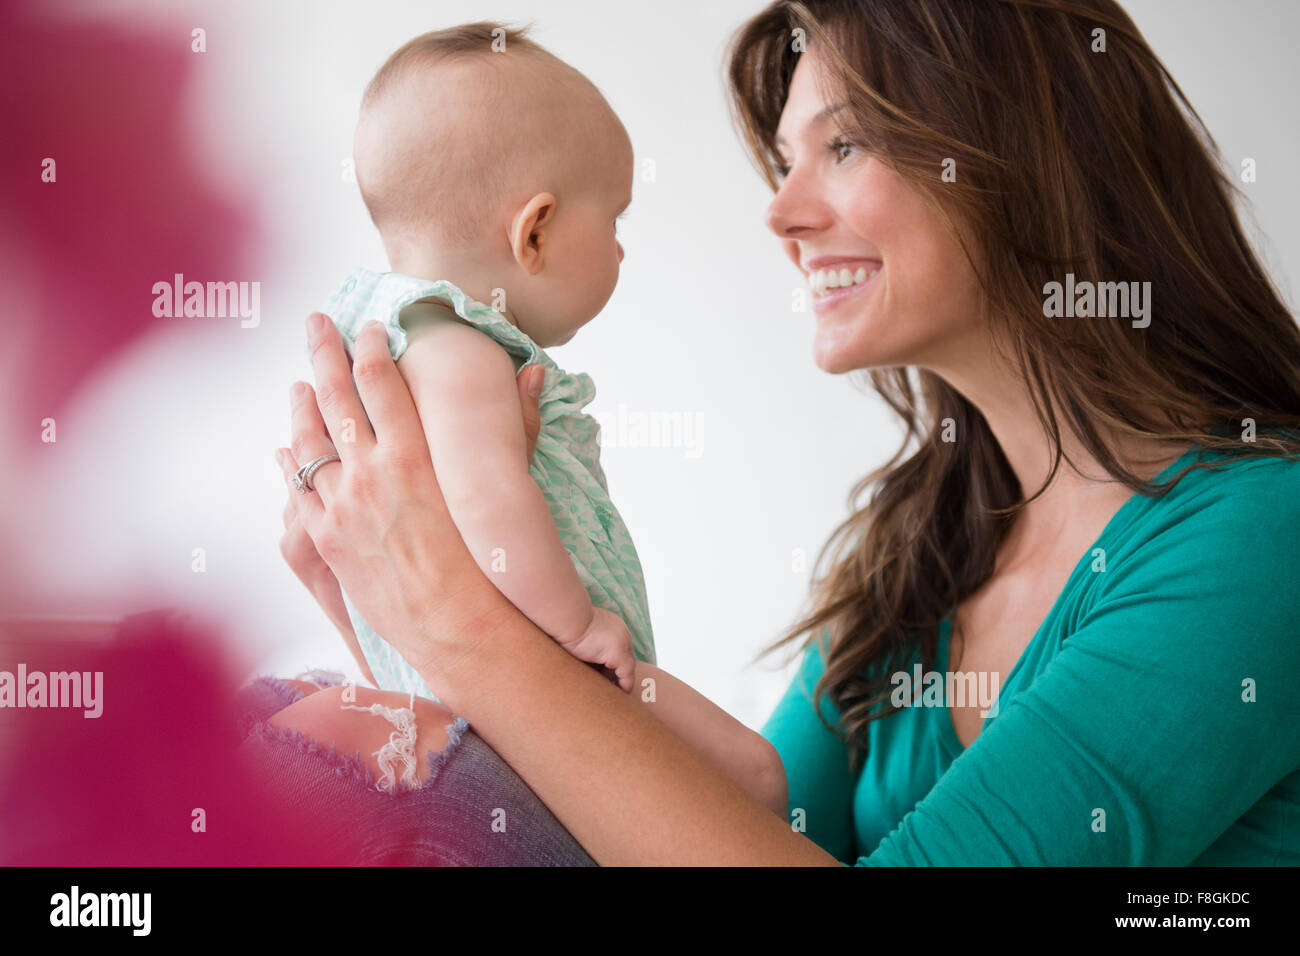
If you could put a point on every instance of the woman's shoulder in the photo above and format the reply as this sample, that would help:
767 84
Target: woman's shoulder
1235 485
1215 556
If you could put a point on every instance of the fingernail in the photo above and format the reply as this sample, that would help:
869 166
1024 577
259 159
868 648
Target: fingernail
535 383
315 324
298 390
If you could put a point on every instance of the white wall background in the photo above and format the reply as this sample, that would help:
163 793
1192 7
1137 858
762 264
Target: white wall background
174 444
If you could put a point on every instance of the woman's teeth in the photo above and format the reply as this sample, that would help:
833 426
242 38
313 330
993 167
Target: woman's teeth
823 280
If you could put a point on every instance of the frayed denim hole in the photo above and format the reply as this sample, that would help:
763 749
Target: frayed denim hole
436 761
254 712
349 766
353 766
287 691
323 678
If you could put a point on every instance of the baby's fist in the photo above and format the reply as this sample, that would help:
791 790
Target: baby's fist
607 642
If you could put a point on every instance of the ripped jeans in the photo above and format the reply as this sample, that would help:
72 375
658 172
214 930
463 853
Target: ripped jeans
473 810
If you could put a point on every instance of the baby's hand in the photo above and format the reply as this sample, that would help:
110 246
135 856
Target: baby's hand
607 642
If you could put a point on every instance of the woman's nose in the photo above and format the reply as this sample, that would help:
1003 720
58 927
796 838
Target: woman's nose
795 211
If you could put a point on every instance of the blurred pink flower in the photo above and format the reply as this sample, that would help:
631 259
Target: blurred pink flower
126 210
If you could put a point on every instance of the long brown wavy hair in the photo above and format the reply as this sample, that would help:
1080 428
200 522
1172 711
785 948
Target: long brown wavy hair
1068 160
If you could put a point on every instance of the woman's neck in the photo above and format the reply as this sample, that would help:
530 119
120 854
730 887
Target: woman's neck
984 377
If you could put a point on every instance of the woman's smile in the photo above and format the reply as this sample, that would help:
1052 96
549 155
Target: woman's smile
835 284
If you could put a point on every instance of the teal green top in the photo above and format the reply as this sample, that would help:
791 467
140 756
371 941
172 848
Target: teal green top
1152 720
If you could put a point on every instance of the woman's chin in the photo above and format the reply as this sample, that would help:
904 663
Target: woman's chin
836 357
861 342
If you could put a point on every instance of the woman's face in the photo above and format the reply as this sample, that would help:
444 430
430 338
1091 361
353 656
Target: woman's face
889 285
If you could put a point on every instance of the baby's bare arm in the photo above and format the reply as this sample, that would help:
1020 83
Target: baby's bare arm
742 754
464 388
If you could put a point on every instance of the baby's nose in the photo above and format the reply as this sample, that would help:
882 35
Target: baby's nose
620 250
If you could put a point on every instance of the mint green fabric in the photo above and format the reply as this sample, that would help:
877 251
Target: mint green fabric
1159 691
566 465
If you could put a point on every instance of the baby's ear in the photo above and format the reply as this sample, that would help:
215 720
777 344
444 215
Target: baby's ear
530 230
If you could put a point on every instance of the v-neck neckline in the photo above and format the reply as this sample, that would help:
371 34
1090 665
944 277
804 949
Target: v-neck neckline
1118 521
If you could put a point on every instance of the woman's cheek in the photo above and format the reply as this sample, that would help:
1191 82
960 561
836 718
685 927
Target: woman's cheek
870 188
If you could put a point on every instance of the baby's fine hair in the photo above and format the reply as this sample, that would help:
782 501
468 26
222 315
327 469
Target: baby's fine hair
457 179
467 40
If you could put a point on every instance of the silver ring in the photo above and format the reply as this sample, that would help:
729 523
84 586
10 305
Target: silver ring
302 480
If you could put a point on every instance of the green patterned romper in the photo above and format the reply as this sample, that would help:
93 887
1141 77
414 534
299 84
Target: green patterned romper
566 465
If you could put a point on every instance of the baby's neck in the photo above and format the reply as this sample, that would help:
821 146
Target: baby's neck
424 264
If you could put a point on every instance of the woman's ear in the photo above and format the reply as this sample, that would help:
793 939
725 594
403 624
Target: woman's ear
530 231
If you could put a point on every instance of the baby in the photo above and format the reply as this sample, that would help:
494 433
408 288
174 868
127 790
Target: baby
495 173
503 170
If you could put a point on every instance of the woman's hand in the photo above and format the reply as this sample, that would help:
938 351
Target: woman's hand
378 523
299 551
304 561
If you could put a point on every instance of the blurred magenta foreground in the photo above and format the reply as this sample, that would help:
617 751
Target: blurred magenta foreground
127 787
125 210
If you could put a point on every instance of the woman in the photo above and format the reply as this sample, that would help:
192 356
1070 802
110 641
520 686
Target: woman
1006 217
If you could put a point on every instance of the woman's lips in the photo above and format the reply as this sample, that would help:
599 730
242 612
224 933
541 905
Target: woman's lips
826 273
862 274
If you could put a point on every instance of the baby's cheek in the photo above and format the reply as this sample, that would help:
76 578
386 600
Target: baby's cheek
611 268
594 286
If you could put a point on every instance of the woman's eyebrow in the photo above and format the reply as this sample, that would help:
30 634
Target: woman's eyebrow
833 108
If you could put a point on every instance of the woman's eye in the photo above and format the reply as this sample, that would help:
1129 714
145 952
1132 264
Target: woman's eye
781 170
841 148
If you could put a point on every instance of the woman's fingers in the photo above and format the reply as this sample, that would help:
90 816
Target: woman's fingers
310 440
529 382
336 395
310 509
386 396
299 552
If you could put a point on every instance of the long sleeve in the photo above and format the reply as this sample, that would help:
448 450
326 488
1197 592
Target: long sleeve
1168 712
816 762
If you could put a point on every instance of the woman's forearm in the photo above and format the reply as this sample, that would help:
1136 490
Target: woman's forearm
628 788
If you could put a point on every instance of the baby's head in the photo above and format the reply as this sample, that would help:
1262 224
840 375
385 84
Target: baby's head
487 161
